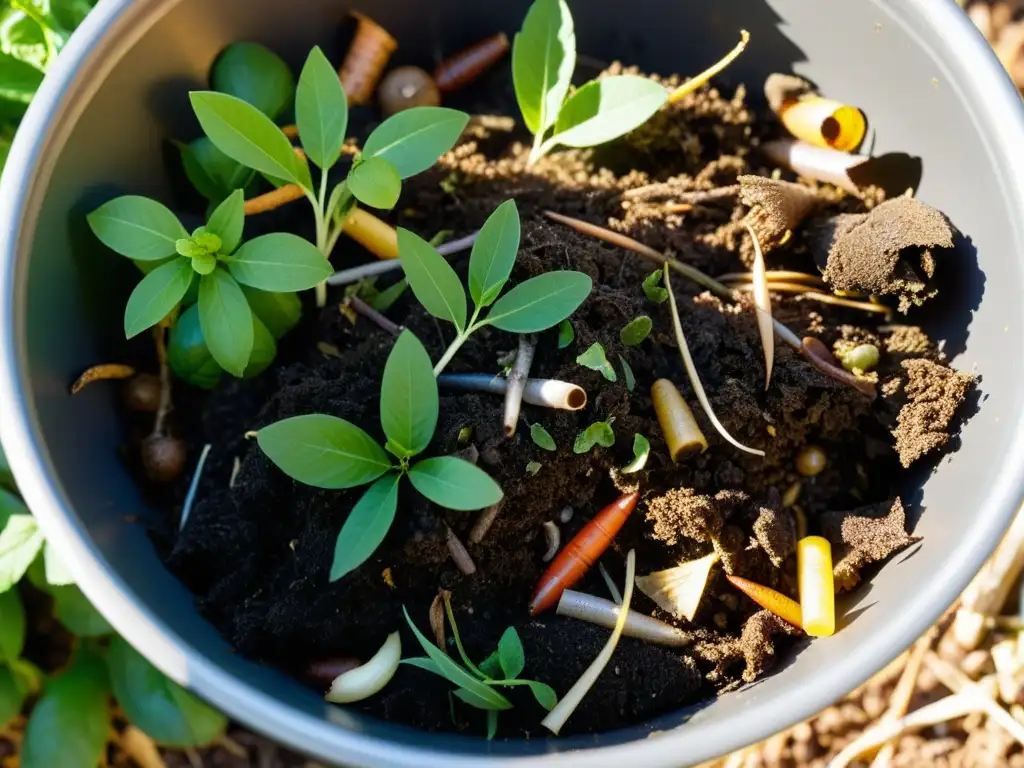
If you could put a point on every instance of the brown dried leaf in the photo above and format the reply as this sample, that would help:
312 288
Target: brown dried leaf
776 207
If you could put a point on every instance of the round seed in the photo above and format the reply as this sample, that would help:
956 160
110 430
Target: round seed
163 458
142 393
407 87
861 358
811 461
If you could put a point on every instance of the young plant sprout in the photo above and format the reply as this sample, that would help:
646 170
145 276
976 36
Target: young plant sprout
563 711
328 452
476 685
860 359
605 613
599 433
579 554
636 331
543 60
817 593
596 360
542 438
147 232
370 678
678 426
403 145
627 375
641 452
783 607
546 393
679 590
535 305
653 289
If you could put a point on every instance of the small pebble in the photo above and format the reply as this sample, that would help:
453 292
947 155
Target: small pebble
811 461
407 87
566 514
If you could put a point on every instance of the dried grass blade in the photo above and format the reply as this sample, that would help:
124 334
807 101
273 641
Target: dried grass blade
763 302
691 370
696 82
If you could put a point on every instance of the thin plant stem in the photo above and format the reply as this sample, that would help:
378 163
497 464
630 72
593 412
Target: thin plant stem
164 406
190 498
696 82
457 344
371 314
322 227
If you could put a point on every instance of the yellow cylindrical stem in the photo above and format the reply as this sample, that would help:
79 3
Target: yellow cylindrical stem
682 434
824 122
376 236
817 593
776 602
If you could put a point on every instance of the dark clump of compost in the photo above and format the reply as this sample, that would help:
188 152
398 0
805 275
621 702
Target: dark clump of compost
257 554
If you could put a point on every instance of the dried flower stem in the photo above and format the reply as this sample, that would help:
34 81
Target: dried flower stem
763 306
484 522
102 372
517 381
696 82
374 268
459 553
373 315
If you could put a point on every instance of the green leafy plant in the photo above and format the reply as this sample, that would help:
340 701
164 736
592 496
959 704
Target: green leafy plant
69 724
542 438
543 59
653 288
403 145
475 685
599 433
233 334
328 452
636 330
535 305
641 451
595 359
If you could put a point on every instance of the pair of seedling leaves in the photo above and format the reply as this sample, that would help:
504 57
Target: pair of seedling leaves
76 703
543 59
475 685
329 452
235 322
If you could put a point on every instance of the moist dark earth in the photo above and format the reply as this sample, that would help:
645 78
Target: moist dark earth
257 554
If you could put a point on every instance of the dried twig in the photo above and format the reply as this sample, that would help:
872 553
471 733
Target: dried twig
959 683
662 189
696 82
484 522
899 702
459 553
193 487
517 381
371 314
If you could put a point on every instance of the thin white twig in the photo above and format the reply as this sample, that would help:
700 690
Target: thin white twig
193 487
517 381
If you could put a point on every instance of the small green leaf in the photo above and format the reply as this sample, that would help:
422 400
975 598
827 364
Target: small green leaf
137 227
70 724
605 109
156 295
264 349
596 360
168 713
76 613
543 58
653 289
474 699
279 312
454 673
492 724
12 626
494 254
542 437
323 451
533 467
12 696
566 334
408 397
491 666
422 662
375 182
226 320
641 450
244 133
433 280
627 374
212 173
20 542
511 654
367 525
544 694
228 221
57 574
188 355
321 110
455 483
386 299
256 75
280 261
636 330
599 433
541 302
414 139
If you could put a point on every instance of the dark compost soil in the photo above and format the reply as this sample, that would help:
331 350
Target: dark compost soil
257 555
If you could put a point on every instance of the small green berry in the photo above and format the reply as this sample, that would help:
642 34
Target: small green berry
861 358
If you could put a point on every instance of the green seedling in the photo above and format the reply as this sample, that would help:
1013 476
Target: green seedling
599 433
566 334
150 234
635 331
641 451
403 145
476 685
535 305
328 452
542 438
595 359
543 60
627 374
653 288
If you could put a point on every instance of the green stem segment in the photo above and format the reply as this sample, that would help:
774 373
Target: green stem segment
456 345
